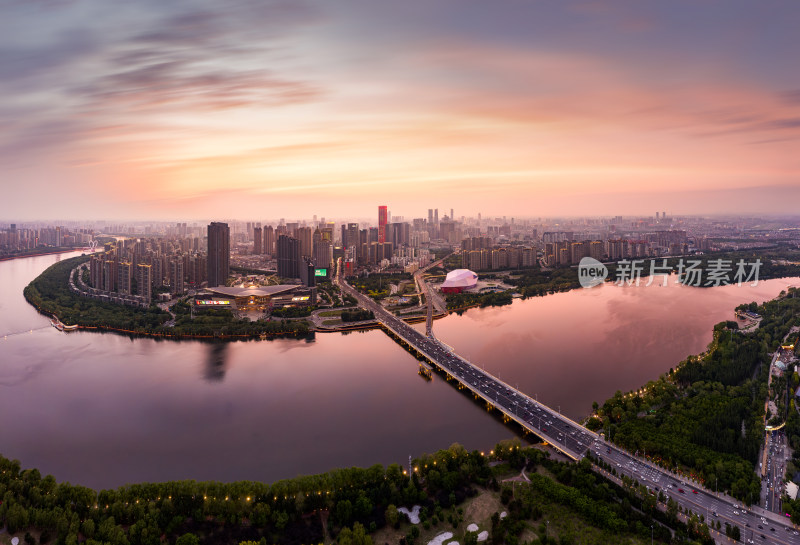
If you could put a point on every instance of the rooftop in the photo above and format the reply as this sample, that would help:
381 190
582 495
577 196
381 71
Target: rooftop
257 291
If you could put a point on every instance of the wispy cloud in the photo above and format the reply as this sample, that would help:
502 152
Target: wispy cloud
288 98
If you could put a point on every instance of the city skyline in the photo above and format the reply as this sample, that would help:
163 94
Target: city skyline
197 109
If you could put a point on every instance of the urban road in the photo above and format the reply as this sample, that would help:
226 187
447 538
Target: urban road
756 525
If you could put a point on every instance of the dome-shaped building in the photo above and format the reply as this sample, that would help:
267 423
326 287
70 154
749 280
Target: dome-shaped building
459 280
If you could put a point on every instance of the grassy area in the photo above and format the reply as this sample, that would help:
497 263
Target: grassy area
378 285
330 313
331 322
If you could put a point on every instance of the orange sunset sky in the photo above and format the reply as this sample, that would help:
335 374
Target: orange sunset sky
266 109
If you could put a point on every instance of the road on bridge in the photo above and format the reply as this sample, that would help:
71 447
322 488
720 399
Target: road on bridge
756 525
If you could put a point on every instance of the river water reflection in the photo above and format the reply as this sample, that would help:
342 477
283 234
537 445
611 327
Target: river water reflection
104 410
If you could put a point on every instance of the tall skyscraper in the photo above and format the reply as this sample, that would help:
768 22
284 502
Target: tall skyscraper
400 234
350 236
382 221
323 253
306 237
288 257
257 244
219 253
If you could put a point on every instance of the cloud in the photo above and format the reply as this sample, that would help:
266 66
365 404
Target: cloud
23 66
791 97
185 83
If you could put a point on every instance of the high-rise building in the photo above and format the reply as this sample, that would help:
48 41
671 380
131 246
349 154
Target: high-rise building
350 236
382 220
305 271
176 276
323 253
400 234
269 240
288 257
125 278
110 275
158 272
306 237
144 282
219 253
257 242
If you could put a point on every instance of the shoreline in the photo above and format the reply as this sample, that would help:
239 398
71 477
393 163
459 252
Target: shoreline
313 328
12 257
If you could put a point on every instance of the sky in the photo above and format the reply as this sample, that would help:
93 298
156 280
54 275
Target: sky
291 108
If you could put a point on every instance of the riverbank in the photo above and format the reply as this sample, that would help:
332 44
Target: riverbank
50 295
775 263
35 253
671 419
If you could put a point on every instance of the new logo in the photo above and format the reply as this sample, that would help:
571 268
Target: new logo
591 272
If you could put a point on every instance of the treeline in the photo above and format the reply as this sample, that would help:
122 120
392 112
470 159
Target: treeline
705 418
358 315
50 294
218 322
293 312
285 512
461 300
343 505
537 282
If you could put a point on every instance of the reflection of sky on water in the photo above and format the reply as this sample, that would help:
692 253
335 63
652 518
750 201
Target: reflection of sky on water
104 409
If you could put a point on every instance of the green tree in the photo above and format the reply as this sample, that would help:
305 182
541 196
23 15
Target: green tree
191 539
392 516
356 536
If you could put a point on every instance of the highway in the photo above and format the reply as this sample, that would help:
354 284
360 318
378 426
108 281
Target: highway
573 440
777 457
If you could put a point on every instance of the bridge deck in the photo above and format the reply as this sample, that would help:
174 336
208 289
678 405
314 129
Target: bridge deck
563 434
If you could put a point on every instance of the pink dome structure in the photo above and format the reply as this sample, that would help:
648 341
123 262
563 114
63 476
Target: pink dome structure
459 280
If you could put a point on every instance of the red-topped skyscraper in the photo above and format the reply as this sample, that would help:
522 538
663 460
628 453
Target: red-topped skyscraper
383 215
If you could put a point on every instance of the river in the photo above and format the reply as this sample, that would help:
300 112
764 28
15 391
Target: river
103 410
